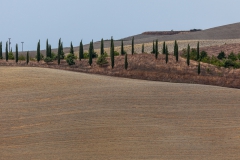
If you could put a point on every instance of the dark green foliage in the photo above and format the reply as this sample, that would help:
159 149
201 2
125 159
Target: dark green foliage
81 51
166 52
126 62
132 45
164 48
27 57
188 55
176 51
62 54
203 54
49 51
229 63
122 48
102 47
143 48
1 50
71 49
90 53
47 47
48 59
38 51
199 68
156 50
112 53
70 59
16 59
238 56
102 59
59 51
116 53
6 51
232 56
198 52
221 55
10 56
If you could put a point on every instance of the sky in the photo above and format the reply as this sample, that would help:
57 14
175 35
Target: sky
29 21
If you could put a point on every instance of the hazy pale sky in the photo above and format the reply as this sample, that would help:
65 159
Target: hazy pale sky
73 20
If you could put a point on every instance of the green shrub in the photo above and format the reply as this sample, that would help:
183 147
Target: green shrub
116 53
102 59
238 55
232 56
10 56
221 55
53 56
70 59
41 56
203 54
229 63
22 58
86 55
48 59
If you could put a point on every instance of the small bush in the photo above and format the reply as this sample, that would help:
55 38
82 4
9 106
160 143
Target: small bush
232 56
102 59
48 59
10 56
85 55
116 53
70 59
238 55
203 54
221 55
41 56
54 56
229 63
21 58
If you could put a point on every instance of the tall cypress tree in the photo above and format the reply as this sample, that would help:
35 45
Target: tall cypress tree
154 47
143 48
156 50
112 53
198 51
47 49
38 51
71 49
6 52
81 50
90 54
199 68
1 50
16 59
126 62
27 57
122 49
166 52
177 52
175 48
132 45
59 51
188 55
164 48
102 47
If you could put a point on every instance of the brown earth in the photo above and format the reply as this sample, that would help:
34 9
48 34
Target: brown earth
56 114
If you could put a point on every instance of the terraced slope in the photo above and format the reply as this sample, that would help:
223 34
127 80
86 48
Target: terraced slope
54 114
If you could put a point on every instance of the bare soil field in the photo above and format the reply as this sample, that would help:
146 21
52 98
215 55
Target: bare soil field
56 114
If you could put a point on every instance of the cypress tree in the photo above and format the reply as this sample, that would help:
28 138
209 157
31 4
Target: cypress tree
6 53
112 53
27 57
38 51
164 48
1 50
166 52
175 48
71 49
16 59
126 62
59 51
102 47
199 68
81 50
198 51
188 55
154 47
90 54
47 49
156 50
177 52
122 49
132 45
143 48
